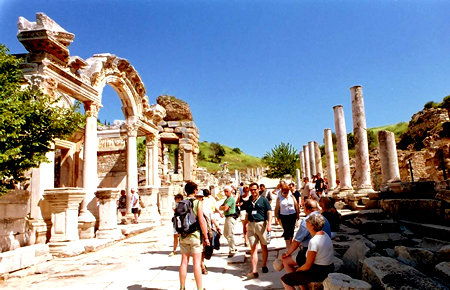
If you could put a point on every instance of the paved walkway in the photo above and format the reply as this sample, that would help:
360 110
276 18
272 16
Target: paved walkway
142 262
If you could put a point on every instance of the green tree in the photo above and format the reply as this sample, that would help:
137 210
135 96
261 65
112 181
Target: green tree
29 123
237 150
217 152
141 150
281 160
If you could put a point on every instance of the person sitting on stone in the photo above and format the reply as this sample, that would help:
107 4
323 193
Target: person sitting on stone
331 214
302 238
319 257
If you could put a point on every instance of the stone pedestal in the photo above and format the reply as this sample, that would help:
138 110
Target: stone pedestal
149 196
38 231
107 228
165 198
64 203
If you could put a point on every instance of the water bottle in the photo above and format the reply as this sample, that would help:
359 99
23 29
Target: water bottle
268 237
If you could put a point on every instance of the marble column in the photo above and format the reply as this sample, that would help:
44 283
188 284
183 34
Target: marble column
331 173
236 177
107 214
388 157
318 158
302 165
342 148
364 183
86 219
307 164
248 173
151 143
132 172
299 180
312 158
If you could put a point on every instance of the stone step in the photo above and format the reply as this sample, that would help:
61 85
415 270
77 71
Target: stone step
428 230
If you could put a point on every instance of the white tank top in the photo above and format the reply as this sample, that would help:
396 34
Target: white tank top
287 205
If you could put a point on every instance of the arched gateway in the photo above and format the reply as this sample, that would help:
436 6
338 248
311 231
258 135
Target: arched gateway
63 192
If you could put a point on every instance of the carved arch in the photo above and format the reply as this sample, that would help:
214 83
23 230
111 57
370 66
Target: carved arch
117 72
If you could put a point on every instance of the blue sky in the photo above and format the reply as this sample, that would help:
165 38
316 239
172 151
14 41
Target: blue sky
258 73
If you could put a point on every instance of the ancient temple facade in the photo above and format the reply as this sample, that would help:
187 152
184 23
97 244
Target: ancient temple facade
68 196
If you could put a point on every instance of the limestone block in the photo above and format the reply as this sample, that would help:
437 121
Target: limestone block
338 263
23 257
387 240
181 130
415 257
168 130
443 271
188 124
162 123
444 253
173 124
388 273
354 257
339 281
12 225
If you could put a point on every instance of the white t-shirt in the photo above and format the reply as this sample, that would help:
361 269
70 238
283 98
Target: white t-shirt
135 199
287 206
324 247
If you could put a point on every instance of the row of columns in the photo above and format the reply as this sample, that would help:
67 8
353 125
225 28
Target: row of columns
310 157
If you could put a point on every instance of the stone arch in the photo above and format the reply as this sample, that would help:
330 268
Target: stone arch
117 72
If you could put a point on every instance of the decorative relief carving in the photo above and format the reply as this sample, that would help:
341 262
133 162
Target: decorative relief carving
132 129
111 144
91 109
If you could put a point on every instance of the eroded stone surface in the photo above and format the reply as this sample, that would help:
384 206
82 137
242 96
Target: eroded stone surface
387 273
339 281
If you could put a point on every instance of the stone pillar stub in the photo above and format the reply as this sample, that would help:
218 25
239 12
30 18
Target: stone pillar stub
342 148
318 158
388 157
166 194
107 213
364 183
307 164
331 168
64 203
312 158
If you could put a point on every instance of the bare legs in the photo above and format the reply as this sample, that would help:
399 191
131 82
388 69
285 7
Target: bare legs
244 230
197 259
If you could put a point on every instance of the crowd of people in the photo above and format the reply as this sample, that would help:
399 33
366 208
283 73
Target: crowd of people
257 208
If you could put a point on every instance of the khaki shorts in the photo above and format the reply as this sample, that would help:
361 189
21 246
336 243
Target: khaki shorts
191 245
257 232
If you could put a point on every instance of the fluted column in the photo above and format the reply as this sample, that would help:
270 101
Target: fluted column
152 175
132 173
312 158
388 157
331 172
307 164
364 182
342 148
318 158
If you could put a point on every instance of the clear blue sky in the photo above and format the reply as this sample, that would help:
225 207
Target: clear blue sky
258 73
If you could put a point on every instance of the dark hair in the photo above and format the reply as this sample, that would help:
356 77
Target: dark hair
122 191
310 204
253 183
206 192
179 196
241 184
190 187
326 201
261 185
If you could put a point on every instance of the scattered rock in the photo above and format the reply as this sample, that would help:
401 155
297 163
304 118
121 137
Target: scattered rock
339 281
176 109
443 271
354 257
415 257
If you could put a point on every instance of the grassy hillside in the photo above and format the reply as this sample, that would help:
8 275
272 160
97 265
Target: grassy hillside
235 158
397 129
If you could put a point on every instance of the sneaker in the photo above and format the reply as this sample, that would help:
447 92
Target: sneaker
172 253
252 275
265 269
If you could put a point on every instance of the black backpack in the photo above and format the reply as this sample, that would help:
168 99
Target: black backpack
185 221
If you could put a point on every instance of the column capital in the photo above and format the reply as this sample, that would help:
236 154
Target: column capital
91 109
132 129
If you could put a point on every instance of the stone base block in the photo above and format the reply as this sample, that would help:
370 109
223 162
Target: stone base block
66 249
115 234
24 257
339 281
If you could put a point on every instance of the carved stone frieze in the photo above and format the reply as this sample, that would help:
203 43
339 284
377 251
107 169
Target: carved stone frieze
91 109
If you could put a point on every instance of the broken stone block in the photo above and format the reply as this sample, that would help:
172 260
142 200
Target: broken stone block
443 271
354 257
387 240
444 253
339 281
338 263
415 257
388 273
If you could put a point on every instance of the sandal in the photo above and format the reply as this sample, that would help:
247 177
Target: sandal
204 271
